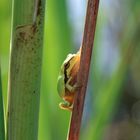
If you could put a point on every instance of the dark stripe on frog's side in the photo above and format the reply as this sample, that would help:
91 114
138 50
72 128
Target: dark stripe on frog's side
66 66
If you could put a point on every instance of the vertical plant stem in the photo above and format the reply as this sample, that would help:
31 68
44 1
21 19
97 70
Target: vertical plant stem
87 45
25 69
2 129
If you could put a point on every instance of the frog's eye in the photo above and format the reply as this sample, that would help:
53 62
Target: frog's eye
67 65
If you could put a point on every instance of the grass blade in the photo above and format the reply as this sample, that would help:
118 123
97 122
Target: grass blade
2 131
25 69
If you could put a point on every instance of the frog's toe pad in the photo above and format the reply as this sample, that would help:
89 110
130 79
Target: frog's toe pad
66 106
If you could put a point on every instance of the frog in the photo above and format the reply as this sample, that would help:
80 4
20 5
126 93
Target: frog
67 80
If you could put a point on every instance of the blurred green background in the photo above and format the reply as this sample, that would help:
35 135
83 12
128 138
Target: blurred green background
112 106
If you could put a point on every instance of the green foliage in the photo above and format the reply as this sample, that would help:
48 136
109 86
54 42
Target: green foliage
2 131
106 90
57 45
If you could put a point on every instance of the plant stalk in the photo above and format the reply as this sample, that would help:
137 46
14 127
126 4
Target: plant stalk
87 45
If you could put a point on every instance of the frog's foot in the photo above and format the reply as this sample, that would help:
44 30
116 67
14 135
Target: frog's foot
73 88
66 106
77 87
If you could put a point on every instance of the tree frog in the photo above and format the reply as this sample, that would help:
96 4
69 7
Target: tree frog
67 80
